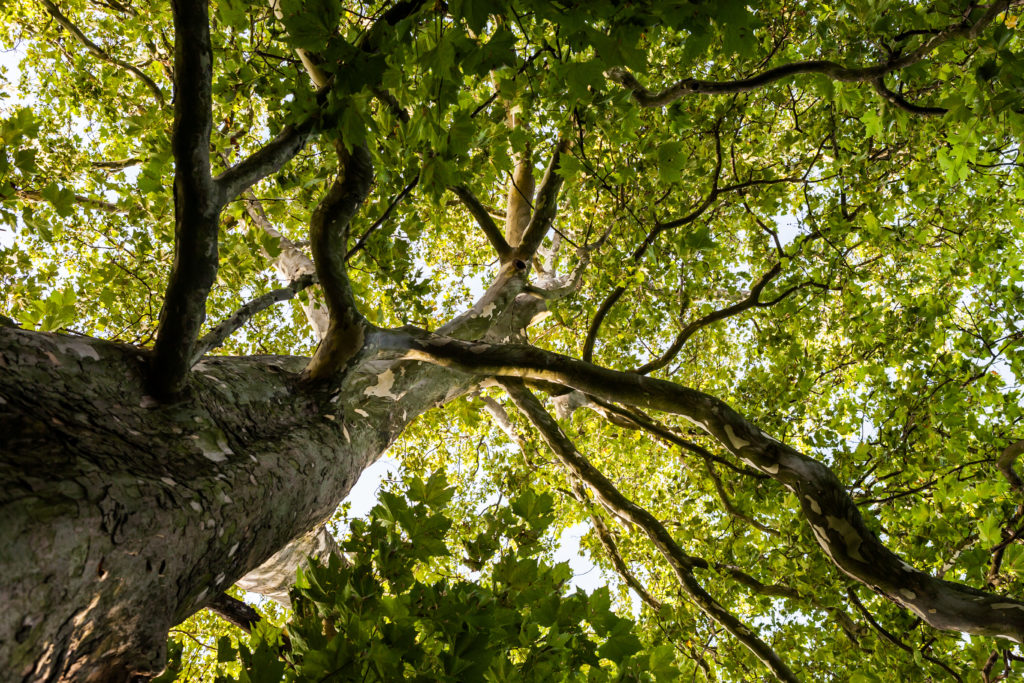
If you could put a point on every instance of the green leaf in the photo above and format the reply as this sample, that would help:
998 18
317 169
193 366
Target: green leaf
225 650
671 161
310 23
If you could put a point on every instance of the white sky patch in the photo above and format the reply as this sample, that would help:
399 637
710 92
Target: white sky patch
586 575
363 495
788 227
10 73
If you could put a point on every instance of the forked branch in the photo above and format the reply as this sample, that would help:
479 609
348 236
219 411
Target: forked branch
641 250
750 301
197 201
546 206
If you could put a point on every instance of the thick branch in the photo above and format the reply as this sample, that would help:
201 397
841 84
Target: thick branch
96 50
328 237
484 220
546 206
234 611
832 515
197 200
266 161
501 418
837 72
520 194
681 563
275 577
219 334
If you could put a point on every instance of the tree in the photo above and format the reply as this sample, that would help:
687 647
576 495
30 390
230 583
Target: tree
764 265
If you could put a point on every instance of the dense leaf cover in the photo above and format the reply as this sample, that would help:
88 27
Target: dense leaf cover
403 616
811 211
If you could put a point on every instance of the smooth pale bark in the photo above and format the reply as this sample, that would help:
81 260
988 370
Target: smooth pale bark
275 577
123 515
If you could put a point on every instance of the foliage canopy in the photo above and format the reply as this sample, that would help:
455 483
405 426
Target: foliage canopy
809 211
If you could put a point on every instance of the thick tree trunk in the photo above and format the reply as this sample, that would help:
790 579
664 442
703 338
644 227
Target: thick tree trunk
122 515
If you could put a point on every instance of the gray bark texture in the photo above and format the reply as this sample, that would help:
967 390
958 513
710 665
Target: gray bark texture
122 515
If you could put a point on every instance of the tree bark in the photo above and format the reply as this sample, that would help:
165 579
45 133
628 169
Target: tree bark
123 515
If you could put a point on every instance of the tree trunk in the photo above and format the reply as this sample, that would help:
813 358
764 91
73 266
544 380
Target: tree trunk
123 515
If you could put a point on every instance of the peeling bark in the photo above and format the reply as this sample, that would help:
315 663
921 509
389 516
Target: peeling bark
124 515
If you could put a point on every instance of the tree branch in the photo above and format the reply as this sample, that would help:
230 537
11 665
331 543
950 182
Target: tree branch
682 564
88 202
328 238
96 50
484 220
197 201
267 160
637 419
852 594
902 103
638 253
559 288
834 518
116 164
777 590
234 611
221 332
751 300
837 72
292 138
361 242
545 208
604 535
1005 464
291 263
728 505
520 194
